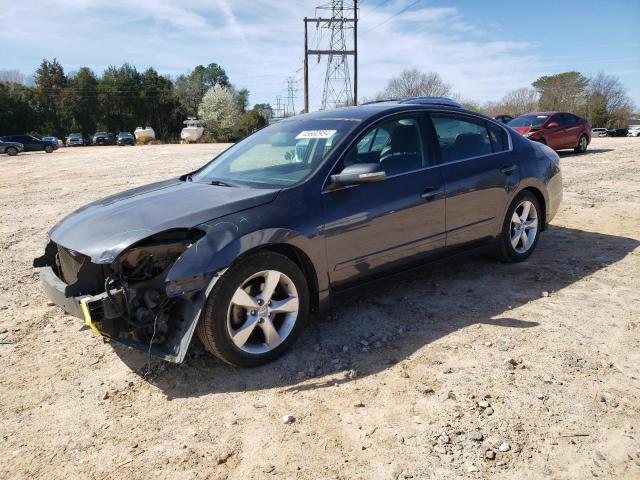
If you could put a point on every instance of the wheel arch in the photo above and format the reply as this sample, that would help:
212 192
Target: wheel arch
541 199
223 247
301 259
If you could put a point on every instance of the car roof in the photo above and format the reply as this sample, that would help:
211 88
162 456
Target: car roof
373 109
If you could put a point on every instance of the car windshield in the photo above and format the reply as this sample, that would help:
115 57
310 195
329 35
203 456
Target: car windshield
528 121
75 135
125 135
277 156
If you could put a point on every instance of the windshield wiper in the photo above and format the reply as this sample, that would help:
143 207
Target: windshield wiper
220 183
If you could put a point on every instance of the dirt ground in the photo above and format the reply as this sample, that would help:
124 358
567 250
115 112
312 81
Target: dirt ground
467 369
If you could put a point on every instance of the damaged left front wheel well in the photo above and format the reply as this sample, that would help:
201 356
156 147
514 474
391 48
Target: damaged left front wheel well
137 286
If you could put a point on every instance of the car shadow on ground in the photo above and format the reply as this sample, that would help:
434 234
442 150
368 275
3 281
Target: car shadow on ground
571 153
373 331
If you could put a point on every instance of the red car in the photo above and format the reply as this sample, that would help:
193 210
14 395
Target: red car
558 130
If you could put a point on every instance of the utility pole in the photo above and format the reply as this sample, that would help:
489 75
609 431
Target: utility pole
337 85
306 66
355 52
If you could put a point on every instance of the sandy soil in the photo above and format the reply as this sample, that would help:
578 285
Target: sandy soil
537 363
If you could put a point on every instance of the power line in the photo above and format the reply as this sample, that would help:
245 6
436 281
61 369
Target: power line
392 16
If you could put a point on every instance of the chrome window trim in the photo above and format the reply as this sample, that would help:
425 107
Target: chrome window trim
452 162
422 111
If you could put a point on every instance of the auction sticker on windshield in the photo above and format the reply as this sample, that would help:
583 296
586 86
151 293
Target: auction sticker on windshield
315 134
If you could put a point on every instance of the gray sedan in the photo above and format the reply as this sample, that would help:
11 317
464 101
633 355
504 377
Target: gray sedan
11 148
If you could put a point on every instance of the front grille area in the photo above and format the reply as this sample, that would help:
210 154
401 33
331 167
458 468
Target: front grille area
81 275
70 264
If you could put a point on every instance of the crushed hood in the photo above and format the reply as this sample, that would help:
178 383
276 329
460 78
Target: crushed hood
103 229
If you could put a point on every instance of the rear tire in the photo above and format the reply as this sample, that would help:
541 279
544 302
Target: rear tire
11 151
48 149
240 302
521 228
583 143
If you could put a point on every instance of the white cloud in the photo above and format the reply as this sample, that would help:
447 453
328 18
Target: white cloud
259 42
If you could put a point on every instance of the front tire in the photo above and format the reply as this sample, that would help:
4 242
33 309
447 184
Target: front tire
48 149
583 143
521 228
256 311
11 151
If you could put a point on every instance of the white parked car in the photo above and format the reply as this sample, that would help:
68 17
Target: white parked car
634 131
598 132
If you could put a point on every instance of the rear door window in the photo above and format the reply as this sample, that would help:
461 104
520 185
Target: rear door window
557 119
461 137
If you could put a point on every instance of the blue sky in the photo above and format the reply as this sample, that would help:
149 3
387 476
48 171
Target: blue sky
483 48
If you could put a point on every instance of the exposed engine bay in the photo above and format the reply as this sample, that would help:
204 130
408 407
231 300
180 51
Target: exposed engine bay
140 275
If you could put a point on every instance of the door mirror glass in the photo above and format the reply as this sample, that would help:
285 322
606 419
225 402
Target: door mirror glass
357 174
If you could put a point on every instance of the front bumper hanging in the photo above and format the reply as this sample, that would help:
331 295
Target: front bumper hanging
101 315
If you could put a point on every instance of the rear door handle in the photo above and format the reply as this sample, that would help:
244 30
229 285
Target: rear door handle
430 193
508 169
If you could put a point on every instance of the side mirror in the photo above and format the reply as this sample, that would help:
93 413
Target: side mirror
553 125
358 174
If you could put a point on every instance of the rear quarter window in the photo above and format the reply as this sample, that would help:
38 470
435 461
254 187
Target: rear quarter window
498 136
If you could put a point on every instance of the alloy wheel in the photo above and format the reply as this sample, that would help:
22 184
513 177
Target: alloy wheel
583 143
262 312
524 226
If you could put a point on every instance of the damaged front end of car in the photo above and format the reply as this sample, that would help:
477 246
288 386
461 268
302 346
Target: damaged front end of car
134 300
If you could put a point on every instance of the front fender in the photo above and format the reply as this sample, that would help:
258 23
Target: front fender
204 262
228 238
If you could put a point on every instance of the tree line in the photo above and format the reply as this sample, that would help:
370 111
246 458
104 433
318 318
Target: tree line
123 98
120 99
601 99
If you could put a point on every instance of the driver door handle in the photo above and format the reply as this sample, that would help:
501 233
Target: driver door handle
430 193
508 169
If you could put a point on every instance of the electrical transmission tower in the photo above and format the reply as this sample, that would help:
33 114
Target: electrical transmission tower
337 82
278 109
292 90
